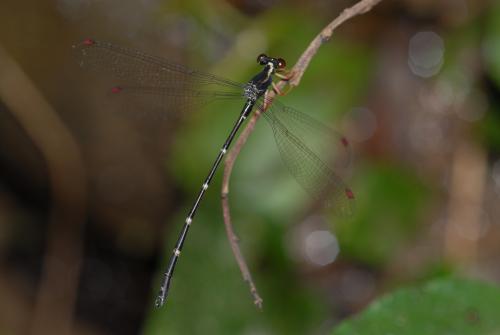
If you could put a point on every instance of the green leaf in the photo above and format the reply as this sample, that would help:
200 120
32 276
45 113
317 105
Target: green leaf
441 307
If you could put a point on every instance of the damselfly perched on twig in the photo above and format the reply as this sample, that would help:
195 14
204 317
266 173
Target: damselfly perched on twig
305 144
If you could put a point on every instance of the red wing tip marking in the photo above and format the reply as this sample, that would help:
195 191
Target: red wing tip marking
349 193
116 89
88 42
345 142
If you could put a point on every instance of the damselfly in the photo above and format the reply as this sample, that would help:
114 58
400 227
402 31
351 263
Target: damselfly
171 88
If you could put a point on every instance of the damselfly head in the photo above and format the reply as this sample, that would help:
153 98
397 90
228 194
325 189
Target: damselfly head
278 63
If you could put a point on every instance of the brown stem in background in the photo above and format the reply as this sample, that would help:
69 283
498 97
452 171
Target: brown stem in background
297 72
56 296
467 188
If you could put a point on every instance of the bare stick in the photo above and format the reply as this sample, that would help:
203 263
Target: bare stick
297 72
233 239
324 36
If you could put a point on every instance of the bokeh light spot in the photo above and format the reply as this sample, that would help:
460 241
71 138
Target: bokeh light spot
321 247
425 54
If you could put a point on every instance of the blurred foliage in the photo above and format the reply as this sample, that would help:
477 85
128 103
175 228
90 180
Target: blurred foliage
209 296
381 227
491 42
489 129
444 306
490 49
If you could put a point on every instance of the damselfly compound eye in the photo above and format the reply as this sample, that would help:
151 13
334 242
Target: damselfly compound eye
262 59
281 63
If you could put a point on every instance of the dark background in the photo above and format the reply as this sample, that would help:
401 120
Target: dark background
91 201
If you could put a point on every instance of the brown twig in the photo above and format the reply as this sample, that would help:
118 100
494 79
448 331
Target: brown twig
297 72
233 239
324 36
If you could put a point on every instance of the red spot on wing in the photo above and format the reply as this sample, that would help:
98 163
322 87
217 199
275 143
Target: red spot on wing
116 89
345 142
88 42
349 193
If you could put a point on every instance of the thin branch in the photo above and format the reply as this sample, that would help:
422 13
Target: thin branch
325 35
297 72
233 239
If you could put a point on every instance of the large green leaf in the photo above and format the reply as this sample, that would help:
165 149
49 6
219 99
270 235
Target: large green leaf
441 307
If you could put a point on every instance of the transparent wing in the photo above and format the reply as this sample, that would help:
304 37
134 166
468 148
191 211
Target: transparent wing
312 152
152 85
164 103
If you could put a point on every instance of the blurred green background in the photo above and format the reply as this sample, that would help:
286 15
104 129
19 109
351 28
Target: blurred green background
91 200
